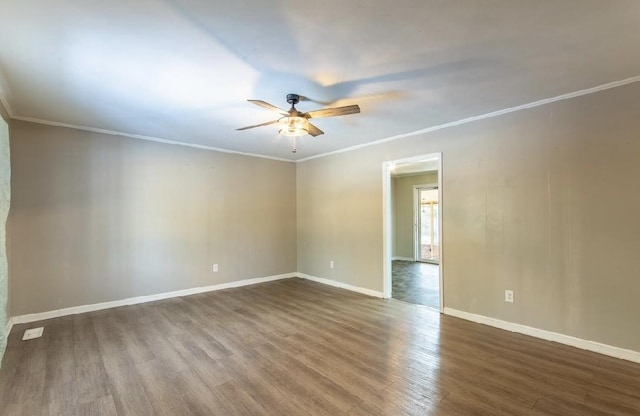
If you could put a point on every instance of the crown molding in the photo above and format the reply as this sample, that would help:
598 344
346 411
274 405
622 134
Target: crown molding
143 137
492 114
466 120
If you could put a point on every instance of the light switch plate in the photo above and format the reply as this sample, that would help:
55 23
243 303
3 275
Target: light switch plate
32 333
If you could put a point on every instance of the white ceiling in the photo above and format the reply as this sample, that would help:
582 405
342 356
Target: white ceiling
182 70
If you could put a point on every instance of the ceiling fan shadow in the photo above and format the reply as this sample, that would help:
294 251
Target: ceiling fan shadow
420 77
291 70
230 26
349 92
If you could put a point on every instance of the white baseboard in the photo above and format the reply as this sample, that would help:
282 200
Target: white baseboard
22 319
584 344
341 285
593 346
402 258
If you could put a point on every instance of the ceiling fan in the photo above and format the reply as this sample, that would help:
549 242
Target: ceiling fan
294 123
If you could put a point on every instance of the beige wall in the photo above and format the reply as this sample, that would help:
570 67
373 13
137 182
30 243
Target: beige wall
543 201
403 211
98 218
340 219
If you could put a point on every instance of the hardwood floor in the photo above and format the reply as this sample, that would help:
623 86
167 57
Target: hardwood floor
416 282
294 347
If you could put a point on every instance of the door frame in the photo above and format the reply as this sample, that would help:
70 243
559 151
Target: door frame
417 222
387 220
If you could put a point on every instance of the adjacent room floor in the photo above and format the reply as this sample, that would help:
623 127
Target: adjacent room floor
416 282
294 347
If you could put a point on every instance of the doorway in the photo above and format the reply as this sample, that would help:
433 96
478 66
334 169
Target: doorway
412 230
426 220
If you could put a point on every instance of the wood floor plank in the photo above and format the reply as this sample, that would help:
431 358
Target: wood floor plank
105 406
273 397
86 347
92 382
26 387
124 380
295 347
241 402
60 398
557 407
203 400
308 380
618 404
161 391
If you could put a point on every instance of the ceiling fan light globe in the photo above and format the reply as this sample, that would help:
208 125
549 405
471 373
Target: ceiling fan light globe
294 126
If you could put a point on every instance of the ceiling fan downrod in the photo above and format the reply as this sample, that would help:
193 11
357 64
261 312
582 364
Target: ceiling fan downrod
293 99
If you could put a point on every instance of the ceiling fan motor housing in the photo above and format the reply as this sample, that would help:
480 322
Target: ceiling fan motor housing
293 99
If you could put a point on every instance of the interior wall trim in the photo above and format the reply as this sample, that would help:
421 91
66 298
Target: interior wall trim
609 350
342 285
583 344
143 137
492 114
496 113
34 317
402 258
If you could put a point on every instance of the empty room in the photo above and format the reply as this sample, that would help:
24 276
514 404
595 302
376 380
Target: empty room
335 208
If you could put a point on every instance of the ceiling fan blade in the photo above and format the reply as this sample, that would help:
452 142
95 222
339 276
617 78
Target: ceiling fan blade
268 123
269 106
311 100
314 131
333 112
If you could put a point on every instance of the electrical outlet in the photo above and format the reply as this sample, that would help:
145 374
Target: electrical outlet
331 264
508 296
215 267
32 333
